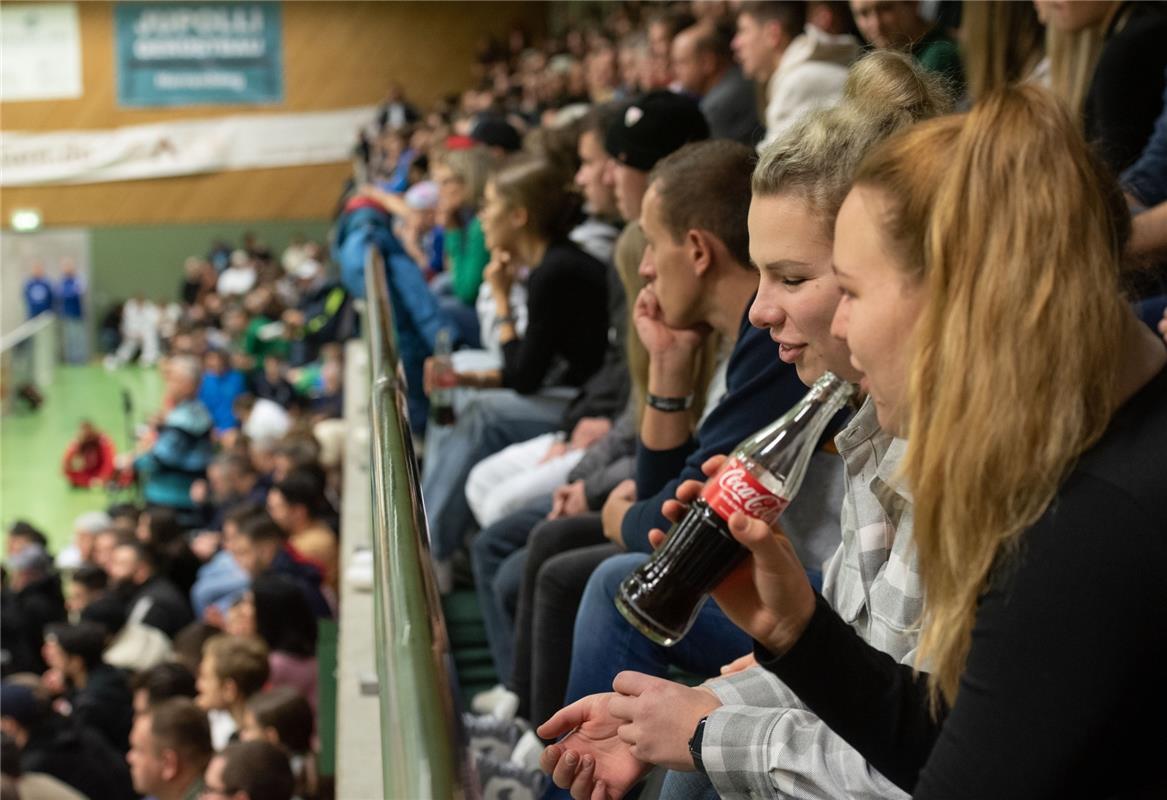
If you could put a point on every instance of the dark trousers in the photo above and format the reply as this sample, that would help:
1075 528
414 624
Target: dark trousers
561 556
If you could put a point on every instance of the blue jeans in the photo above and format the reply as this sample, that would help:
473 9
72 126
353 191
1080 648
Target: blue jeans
496 556
76 340
488 421
687 786
605 644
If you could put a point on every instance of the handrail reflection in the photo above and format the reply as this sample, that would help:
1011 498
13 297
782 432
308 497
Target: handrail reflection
421 735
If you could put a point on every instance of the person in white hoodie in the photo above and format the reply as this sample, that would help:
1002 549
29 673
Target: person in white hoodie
804 63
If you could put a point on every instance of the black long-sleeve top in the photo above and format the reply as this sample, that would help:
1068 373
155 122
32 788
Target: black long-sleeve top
1062 695
567 319
1126 90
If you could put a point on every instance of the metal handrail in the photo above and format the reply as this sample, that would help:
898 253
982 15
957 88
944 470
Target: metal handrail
420 727
26 330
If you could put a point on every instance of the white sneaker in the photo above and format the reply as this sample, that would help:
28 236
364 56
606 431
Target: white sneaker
496 700
527 751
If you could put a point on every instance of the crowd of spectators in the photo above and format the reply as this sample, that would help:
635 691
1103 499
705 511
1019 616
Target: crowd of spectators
170 648
602 353
591 254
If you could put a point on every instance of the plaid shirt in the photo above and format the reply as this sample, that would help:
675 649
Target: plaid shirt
762 741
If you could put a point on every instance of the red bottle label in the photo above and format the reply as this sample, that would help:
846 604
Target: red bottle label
736 489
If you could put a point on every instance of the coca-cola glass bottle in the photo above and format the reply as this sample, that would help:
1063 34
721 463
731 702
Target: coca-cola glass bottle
760 478
444 381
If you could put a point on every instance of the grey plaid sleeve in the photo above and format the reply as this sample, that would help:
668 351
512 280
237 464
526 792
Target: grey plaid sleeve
785 753
756 686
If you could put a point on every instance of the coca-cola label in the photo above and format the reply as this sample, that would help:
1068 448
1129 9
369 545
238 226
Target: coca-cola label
736 489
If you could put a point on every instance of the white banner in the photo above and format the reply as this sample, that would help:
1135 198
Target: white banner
180 148
40 51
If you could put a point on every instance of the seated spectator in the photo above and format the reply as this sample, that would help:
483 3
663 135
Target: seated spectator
418 231
162 682
264 335
150 597
233 668
325 313
85 528
159 529
239 278
52 744
271 383
250 771
262 548
86 584
222 581
107 540
897 24
1126 87
89 458
231 481
275 610
98 693
182 447
294 453
261 420
1007 705
284 718
124 517
33 600
22 534
170 746
803 65
526 220
220 385
461 179
703 65
130 645
295 504
328 401
32 785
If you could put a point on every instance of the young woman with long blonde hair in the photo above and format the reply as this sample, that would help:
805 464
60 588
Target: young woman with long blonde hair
979 257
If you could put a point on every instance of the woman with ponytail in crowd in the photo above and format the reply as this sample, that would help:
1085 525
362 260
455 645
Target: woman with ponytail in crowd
528 211
758 740
990 326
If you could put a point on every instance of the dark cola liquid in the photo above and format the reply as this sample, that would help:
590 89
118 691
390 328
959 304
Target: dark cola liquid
443 414
662 597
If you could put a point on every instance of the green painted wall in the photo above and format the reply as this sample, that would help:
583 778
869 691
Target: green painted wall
149 258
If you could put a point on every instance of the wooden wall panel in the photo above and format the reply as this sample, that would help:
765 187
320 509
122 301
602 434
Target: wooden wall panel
336 54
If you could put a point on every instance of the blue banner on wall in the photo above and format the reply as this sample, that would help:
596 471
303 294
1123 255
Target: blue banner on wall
182 54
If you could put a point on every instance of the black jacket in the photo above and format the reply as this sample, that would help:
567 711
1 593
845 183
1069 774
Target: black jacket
78 756
159 604
26 613
106 705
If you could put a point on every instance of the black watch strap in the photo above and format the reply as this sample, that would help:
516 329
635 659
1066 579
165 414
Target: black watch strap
695 745
669 404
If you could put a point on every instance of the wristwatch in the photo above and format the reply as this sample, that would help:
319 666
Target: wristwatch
695 745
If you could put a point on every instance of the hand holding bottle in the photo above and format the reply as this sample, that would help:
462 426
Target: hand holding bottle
768 595
725 541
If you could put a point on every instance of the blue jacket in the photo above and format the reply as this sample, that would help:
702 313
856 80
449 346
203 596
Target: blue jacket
759 389
221 582
417 316
179 457
38 296
218 393
72 297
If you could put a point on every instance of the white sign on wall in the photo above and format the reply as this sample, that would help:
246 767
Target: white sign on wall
40 51
166 149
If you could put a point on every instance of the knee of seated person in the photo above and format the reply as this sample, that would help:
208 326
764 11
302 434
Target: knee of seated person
552 577
610 574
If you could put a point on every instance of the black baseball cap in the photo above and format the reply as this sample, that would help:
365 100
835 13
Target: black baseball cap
657 124
494 131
